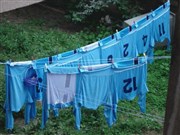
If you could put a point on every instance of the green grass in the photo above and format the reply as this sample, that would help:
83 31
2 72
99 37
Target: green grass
31 40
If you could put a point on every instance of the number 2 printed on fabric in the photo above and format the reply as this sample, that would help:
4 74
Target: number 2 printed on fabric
128 82
125 50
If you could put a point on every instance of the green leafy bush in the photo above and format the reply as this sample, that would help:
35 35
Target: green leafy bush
86 9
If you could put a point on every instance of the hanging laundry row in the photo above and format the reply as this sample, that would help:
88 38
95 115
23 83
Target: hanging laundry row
93 86
24 80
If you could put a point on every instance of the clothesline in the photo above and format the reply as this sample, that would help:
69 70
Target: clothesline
145 114
160 57
95 61
123 70
141 116
156 58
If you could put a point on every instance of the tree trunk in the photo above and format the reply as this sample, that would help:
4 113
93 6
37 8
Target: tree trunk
172 117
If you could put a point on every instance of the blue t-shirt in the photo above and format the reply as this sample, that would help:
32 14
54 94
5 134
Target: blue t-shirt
131 81
161 23
144 35
123 46
18 92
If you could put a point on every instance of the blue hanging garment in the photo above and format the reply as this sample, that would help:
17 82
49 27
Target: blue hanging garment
122 46
94 89
144 34
18 93
59 88
131 80
161 27
161 23
128 43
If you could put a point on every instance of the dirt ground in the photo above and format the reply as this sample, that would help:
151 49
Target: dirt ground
51 17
